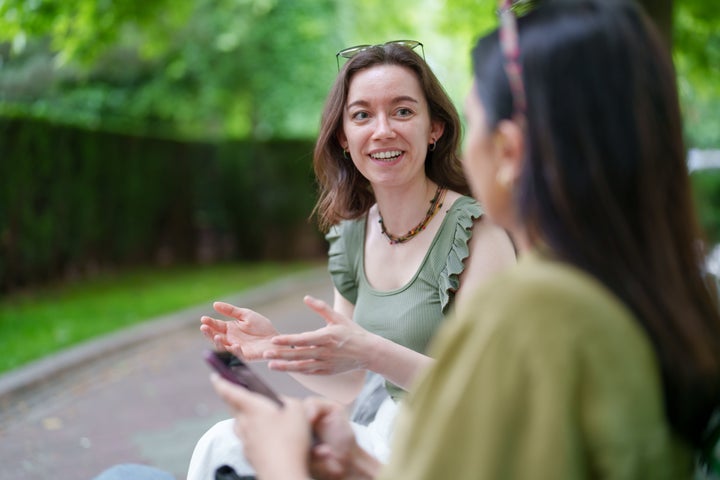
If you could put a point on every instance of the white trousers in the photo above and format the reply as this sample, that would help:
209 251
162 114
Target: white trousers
220 446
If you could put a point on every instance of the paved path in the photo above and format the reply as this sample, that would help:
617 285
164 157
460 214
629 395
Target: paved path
139 396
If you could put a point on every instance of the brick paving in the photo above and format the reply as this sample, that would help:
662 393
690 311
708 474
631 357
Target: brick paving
146 401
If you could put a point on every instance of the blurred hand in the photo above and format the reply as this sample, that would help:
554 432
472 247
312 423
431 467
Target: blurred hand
248 336
333 454
276 440
342 345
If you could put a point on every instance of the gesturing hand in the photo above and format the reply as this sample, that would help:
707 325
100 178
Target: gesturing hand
340 346
248 336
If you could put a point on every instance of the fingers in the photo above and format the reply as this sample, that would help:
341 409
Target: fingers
324 463
317 407
221 343
311 367
235 350
213 324
322 309
237 397
297 360
305 339
215 331
207 332
230 310
291 353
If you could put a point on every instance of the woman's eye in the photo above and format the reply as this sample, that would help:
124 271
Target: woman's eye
359 115
404 112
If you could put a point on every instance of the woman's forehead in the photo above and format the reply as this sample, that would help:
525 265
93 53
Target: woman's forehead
384 81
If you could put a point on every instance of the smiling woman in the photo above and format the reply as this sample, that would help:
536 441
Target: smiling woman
388 142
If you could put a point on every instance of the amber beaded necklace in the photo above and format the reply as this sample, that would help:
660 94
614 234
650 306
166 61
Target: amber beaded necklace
435 204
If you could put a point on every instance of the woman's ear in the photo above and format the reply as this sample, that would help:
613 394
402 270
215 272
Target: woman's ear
437 128
342 139
509 148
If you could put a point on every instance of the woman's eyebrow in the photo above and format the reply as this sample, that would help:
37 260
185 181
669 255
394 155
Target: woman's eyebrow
398 99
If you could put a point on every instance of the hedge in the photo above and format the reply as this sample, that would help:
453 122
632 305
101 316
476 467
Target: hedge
73 201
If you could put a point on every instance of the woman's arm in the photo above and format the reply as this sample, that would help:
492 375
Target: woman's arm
491 251
308 368
249 335
342 348
343 345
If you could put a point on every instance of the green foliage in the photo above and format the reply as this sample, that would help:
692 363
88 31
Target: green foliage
81 29
706 187
213 69
697 58
697 38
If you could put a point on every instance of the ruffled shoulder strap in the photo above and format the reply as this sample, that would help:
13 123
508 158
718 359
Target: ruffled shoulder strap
343 256
461 218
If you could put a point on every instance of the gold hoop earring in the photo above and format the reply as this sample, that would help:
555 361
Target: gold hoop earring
345 154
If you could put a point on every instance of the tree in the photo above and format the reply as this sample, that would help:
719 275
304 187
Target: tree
261 68
216 68
81 29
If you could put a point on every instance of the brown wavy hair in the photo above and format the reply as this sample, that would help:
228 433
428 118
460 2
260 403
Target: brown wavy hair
343 192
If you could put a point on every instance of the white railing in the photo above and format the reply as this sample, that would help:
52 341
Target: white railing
703 159
706 160
713 261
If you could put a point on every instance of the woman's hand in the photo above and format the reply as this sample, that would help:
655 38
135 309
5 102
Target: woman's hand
336 454
340 346
248 336
276 440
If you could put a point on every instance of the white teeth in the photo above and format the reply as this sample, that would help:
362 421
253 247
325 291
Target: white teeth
386 155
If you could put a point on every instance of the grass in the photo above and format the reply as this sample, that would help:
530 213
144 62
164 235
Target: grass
35 324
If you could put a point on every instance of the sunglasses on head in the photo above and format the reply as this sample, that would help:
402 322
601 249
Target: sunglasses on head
350 52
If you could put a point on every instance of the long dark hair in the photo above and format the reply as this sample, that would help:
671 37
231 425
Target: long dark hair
605 184
344 192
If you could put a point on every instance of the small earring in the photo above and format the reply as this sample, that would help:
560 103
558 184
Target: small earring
434 145
504 177
345 154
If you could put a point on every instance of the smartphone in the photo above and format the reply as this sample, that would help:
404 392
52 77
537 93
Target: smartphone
238 372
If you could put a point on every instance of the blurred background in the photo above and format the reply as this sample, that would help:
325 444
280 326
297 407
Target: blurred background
142 142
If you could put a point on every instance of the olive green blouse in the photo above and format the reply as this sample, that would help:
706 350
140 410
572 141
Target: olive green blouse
543 374
411 314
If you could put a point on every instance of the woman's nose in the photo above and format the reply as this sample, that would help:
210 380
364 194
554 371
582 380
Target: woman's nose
383 128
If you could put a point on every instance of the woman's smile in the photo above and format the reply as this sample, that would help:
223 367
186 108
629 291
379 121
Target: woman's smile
388 156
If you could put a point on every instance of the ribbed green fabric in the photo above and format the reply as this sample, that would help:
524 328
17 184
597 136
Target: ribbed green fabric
410 315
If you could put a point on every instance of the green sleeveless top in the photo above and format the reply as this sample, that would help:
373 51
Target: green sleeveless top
410 315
